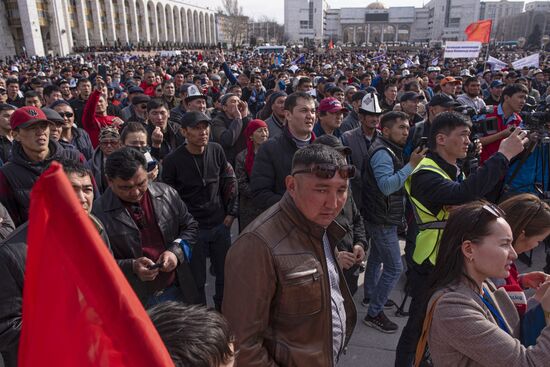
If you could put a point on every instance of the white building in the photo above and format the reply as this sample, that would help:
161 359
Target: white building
437 20
305 19
538 6
39 27
498 10
447 19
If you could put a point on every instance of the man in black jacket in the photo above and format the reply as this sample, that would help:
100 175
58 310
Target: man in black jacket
164 135
273 161
207 183
150 230
32 152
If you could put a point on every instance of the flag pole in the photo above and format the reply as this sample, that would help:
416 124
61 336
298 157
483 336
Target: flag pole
488 44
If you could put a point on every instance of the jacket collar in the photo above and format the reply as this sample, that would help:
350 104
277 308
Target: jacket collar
335 231
113 205
394 147
450 169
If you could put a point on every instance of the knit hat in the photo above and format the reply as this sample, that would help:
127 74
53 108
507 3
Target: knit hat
108 133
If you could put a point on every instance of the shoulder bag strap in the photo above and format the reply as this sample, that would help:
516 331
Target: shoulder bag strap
423 341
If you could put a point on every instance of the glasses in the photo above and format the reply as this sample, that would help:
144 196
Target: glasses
328 170
66 114
488 209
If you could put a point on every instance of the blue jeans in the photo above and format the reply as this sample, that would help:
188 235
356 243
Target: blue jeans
384 250
215 243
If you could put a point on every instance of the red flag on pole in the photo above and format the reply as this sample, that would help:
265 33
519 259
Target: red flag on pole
78 308
479 31
330 44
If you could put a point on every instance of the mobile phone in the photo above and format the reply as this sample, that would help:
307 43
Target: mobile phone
151 162
155 266
423 143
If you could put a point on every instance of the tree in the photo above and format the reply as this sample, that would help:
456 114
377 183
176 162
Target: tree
236 22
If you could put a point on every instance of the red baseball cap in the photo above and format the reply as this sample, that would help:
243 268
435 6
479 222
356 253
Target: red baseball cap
331 104
26 116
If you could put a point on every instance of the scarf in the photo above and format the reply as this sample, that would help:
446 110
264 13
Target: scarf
250 129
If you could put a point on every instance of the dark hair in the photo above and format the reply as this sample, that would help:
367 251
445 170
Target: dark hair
526 213
124 163
154 104
390 118
358 96
470 80
231 88
82 80
409 85
469 222
316 154
512 89
7 107
31 94
168 81
132 127
444 123
49 89
194 335
60 102
12 81
303 81
71 166
389 85
292 100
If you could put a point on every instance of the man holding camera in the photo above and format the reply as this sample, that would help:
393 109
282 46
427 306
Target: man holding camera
434 187
505 118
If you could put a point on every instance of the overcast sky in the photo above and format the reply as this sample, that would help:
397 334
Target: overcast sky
275 8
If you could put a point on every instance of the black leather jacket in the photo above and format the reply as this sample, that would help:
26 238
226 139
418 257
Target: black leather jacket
174 222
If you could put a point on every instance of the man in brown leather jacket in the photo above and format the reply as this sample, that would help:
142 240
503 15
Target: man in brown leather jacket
285 296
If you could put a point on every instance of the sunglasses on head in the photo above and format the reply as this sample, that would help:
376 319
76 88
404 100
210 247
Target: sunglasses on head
328 170
486 209
67 114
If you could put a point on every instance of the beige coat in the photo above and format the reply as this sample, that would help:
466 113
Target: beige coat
464 333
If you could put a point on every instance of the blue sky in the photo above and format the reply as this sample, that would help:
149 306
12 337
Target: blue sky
275 8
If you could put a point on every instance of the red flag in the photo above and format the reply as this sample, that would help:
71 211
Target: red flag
479 31
330 44
78 308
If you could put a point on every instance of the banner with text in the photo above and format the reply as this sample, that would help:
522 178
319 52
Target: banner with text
496 64
531 60
459 50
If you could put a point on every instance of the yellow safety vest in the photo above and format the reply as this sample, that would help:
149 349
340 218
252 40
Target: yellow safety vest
430 225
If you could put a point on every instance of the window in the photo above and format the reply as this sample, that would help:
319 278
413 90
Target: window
304 24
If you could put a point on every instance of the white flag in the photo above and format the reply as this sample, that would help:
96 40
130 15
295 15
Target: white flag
496 64
531 60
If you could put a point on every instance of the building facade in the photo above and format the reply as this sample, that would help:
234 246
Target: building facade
437 20
498 10
39 27
521 25
538 6
305 20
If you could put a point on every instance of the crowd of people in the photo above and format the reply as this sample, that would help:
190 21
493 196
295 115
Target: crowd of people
321 161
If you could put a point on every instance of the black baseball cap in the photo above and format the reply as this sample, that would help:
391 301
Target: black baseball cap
408 96
193 118
443 100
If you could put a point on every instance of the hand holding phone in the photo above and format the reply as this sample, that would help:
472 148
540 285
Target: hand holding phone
155 266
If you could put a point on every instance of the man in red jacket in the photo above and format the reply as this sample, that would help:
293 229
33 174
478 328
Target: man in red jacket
148 84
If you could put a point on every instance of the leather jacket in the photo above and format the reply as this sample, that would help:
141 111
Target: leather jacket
279 303
174 222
